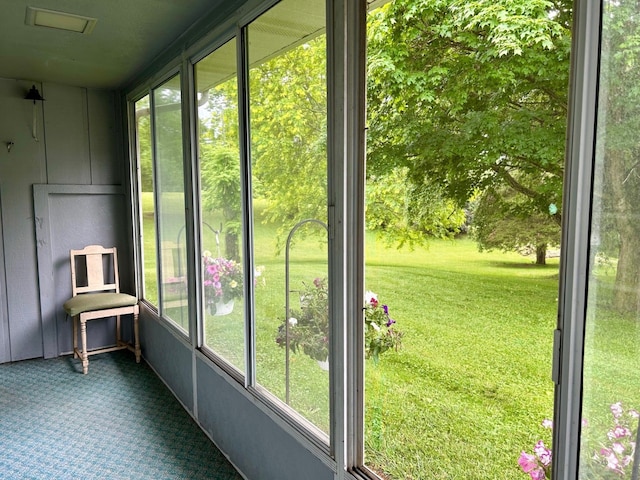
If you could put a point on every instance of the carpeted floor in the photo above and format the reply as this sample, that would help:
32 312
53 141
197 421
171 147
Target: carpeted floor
118 422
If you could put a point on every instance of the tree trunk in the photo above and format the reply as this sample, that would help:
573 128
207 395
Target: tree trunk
541 254
621 201
231 246
626 294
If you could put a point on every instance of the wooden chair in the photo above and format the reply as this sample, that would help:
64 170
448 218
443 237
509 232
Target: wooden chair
96 294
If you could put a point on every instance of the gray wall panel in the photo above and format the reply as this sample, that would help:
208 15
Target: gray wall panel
251 439
73 216
20 168
67 134
107 166
170 356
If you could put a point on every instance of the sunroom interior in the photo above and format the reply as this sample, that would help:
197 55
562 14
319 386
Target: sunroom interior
69 177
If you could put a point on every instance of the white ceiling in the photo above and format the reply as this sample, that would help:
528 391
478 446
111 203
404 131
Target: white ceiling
129 34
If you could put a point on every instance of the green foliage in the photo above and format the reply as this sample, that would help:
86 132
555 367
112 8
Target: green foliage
289 134
380 332
404 212
220 174
617 188
471 94
308 326
504 220
143 136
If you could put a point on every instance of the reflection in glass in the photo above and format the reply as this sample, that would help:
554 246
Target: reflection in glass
288 128
611 375
171 200
147 202
221 205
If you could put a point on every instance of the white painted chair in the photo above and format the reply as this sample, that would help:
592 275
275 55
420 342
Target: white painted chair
96 294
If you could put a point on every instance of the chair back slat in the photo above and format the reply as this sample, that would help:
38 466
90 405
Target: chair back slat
100 272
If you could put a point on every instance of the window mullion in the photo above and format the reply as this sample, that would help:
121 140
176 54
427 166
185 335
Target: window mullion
247 211
575 241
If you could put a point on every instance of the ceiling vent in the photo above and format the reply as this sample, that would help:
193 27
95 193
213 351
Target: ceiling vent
39 17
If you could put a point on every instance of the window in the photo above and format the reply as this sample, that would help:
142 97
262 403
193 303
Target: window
167 116
147 201
610 402
158 121
288 131
221 205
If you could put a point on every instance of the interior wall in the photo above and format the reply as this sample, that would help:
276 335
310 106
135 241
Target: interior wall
76 144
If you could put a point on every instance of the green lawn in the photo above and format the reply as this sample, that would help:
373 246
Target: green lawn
472 382
469 387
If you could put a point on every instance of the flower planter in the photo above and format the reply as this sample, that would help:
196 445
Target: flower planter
223 308
324 364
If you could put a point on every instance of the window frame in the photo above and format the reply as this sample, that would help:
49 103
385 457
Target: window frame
346 49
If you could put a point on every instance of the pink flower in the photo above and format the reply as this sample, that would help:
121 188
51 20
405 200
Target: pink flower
543 453
371 298
619 432
546 423
612 460
538 474
527 462
618 448
616 409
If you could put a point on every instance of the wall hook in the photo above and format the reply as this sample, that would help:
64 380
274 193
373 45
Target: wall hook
9 146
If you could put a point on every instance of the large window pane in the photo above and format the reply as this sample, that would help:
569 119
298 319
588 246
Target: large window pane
221 206
288 128
612 331
171 200
465 153
147 201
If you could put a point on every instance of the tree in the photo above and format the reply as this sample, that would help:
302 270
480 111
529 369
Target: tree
407 213
618 198
220 171
504 220
289 134
472 95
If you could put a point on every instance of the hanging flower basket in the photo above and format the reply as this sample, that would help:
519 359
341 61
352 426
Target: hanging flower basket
308 327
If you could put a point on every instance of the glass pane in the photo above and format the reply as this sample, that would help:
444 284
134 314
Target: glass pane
611 398
465 151
147 201
288 127
171 199
221 204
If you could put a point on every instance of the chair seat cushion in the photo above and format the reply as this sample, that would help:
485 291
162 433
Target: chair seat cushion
90 302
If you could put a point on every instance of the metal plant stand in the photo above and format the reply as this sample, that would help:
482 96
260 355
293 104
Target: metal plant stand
287 291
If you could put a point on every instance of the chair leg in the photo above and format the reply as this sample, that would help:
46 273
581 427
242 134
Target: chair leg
118 337
74 320
85 357
136 337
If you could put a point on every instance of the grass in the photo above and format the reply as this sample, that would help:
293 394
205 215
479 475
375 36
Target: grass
463 396
472 382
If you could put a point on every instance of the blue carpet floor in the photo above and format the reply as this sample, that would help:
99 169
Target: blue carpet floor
118 422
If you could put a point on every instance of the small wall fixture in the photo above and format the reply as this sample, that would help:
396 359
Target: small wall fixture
34 95
9 146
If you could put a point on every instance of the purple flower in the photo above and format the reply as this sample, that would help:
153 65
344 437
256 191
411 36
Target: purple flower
546 423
